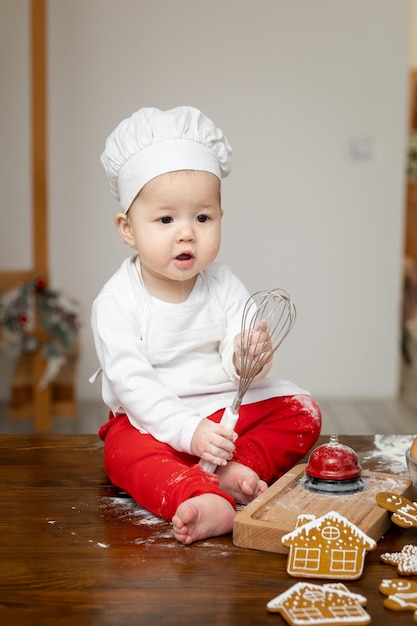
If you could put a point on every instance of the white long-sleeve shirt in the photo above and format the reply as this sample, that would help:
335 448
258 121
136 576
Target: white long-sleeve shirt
168 366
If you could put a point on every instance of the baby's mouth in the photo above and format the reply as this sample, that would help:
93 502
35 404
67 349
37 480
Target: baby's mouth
183 257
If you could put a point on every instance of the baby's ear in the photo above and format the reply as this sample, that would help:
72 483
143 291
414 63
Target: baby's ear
124 229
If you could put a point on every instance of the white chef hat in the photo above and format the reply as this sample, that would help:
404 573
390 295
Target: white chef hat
153 142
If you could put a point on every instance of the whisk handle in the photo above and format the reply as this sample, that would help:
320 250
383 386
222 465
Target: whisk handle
229 419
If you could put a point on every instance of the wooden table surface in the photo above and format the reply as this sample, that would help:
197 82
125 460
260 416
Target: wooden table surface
76 550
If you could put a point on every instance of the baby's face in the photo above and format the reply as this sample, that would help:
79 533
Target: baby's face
174 223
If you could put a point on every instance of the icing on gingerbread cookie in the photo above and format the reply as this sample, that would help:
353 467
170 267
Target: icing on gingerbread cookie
404 511
402 594
329 546
310 605
405 561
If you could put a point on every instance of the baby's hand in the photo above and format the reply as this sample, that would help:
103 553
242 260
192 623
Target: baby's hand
257 345
213 442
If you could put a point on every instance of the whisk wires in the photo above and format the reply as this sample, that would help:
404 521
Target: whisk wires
272 311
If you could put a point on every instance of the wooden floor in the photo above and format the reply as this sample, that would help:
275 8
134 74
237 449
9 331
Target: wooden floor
340 416
77 551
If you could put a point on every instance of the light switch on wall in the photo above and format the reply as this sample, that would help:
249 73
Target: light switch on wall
362 148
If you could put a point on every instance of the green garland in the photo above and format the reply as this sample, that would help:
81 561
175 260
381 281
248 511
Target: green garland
57 317
412 156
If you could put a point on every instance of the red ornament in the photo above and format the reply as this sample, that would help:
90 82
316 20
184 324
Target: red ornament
40 284
23 319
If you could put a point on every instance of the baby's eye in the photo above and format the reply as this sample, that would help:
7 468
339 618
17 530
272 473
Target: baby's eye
202 218
166 219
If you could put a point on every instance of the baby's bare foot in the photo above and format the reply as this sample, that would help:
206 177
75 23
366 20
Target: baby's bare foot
241 482
208 515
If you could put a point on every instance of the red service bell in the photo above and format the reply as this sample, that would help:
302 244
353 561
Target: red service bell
333 468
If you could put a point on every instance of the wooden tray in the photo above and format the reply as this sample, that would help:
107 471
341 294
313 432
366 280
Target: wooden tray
262 523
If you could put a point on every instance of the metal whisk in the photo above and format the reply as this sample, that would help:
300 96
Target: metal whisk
272 311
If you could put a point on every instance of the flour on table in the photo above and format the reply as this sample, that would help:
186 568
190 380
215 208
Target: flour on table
123 507
388 454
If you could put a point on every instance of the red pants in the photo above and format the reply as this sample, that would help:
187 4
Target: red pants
273 435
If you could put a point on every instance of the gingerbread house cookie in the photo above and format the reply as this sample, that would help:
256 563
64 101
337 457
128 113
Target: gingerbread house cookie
309 605
329 546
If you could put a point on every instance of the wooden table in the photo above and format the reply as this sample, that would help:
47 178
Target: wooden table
76 550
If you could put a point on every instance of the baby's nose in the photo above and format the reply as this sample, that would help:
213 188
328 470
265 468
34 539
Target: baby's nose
186 233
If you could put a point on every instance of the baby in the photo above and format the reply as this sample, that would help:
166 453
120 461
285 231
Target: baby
166 326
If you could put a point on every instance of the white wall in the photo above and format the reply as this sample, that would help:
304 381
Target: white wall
297 87
413 42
